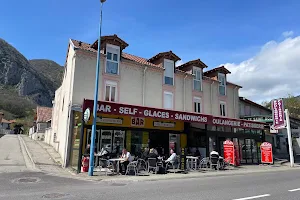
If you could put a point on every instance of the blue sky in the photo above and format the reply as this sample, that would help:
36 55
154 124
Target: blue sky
216 31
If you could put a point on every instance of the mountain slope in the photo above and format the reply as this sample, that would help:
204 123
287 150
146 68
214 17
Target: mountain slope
49 70
25 84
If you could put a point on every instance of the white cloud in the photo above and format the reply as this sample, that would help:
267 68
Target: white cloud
288 33
273 72
178 63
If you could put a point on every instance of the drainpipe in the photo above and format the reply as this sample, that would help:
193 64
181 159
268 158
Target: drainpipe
184 93
211 97
234 102
68 134
144 85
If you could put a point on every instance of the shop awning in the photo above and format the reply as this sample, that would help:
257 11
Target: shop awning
141 111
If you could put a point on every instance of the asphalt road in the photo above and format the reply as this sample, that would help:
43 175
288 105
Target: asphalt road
269 186
18 182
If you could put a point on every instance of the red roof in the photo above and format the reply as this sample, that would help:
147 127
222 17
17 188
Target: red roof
5 121
217 69
144 61
44 114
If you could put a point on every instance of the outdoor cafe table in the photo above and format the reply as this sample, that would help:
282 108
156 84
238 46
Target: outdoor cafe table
117 161
192 162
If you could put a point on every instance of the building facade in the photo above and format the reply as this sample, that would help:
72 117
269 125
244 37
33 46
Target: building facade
154 83
250 110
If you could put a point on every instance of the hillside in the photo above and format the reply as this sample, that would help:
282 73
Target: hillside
25 84
49 70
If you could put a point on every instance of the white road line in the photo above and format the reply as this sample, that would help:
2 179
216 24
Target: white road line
254 197
294 190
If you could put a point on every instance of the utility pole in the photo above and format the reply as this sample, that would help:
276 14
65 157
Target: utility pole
289 134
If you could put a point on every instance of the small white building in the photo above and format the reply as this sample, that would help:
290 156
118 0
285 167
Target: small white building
42 122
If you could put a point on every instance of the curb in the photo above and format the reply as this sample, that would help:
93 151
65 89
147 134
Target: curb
237 173
21 140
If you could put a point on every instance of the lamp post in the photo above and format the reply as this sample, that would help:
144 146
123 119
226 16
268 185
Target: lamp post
93 136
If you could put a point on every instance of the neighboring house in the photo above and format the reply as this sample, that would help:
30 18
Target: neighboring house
42 122
154 83
5 126
250 110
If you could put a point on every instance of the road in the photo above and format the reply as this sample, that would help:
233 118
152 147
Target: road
268 186
22 183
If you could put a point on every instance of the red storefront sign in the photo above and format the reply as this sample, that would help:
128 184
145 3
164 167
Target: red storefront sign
278 114
139 111
266 153
229 153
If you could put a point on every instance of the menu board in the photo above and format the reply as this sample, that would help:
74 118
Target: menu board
266 153
229 153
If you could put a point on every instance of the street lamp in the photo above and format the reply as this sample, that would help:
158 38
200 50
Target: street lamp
93 136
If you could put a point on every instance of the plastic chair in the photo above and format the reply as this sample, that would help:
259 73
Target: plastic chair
132 166
152 165
204 163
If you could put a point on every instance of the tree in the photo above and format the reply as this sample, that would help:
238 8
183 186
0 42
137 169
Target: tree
291 103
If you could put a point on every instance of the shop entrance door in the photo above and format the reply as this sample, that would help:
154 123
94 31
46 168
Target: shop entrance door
118 142
106 140
221 146
160 141
89 135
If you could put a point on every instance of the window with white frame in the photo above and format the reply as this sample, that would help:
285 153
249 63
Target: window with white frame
169 72
197 104
197 79
110 91
112 59
222 108
222 84
168 100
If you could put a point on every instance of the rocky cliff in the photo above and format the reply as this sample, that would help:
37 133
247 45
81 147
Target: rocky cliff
34 81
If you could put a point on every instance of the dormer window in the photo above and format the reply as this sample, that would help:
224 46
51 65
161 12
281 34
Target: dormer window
112 59
197 79
169 72
222 84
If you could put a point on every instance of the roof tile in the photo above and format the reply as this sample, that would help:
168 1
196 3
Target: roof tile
44 114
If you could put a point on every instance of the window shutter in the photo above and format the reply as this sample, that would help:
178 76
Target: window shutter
168 101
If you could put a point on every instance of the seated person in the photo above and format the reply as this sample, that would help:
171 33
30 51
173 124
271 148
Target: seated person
152 153
87 151
197 153
145 154
172 158
127 158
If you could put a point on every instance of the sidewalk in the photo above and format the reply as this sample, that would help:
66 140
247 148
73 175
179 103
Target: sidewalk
44 157
246 169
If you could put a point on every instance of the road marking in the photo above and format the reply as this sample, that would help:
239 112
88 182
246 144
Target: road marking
294 190
254 197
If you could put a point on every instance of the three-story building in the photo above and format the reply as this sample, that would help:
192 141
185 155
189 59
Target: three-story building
143 102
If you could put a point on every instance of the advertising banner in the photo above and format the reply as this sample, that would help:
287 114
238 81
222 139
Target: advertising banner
163 114
266 153
278 114
229 153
